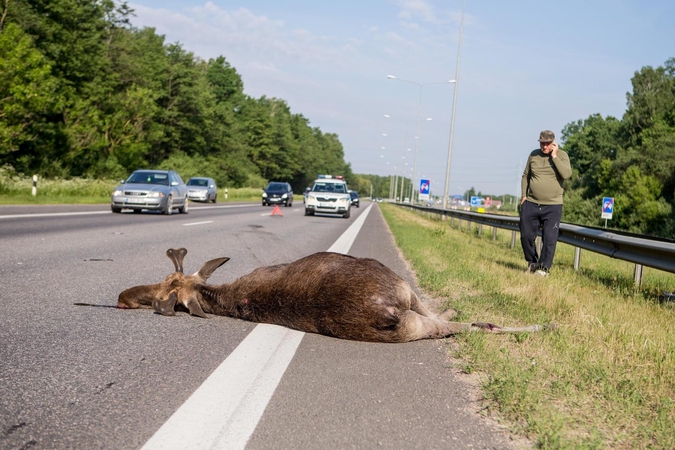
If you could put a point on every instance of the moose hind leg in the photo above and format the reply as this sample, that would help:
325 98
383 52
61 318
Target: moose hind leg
414 326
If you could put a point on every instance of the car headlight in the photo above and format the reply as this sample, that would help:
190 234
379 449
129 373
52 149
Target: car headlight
264 194
311 197
117 192
284 196
156 194
342 200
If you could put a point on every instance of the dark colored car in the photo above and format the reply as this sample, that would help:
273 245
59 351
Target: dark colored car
277 193
356 201
201 189
156 190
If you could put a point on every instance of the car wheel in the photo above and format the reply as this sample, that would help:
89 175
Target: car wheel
346 215
309 212
116 210
214 198
169 205
136 211
184 209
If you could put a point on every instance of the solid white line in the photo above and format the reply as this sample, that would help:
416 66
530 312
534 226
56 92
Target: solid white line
23 216
344 242
225 410
197 223
88 213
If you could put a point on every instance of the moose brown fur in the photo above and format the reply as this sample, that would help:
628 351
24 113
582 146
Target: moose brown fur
327 293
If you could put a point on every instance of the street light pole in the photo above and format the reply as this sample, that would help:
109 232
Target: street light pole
419 111
454 108
405 146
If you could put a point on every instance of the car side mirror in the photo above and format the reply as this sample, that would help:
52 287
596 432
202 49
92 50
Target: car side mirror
174 183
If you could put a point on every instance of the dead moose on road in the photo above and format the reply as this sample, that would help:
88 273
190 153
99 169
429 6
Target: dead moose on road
327 293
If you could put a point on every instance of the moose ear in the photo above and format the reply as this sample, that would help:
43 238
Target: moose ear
177 255
210 266
165 307
195 309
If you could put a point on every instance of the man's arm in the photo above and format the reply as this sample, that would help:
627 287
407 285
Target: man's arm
524 182
561 162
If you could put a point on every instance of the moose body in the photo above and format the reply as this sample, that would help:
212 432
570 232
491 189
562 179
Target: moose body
327 293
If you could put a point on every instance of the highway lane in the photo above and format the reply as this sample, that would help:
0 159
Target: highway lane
97 377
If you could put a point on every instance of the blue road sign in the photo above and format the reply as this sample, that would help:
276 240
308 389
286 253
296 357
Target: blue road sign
607 207
476 201
425 188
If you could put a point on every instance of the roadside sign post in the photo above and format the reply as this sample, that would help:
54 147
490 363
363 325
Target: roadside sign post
425 187
607 208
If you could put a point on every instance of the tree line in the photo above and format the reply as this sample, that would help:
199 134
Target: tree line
631 159
85 94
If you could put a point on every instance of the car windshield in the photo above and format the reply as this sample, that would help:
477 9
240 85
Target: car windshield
149 178
354 194
276 187
338 188
197 182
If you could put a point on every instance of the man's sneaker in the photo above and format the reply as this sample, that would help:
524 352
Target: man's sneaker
531 268
542 272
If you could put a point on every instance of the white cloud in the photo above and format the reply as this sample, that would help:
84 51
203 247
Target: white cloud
417 8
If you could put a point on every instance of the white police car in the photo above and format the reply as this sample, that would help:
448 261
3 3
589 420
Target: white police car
329 195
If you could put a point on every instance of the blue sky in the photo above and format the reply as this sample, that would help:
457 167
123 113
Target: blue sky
525 66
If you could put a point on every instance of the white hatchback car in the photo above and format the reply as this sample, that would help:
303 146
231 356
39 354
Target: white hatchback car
329 195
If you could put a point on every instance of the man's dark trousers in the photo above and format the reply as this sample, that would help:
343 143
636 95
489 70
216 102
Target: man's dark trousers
532 216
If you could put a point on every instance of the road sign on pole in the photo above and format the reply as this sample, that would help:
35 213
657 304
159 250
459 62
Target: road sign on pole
425 187
607 207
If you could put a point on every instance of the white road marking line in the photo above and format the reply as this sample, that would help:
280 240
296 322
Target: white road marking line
225 410
84 213
344 242
88 213
197 223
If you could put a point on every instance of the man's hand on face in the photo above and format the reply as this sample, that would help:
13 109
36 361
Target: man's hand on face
554 149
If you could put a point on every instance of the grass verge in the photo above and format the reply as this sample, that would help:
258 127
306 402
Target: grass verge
18 191
605 379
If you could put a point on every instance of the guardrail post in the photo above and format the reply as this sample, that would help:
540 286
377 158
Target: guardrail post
513 239
480 229
452 222
638 275
577 258
494 233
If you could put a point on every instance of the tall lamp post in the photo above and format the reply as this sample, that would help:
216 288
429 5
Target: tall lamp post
419 111
454 107
405 145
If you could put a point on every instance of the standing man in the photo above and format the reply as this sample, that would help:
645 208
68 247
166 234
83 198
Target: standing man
541 204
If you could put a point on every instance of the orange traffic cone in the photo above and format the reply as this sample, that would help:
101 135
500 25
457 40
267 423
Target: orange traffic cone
276 210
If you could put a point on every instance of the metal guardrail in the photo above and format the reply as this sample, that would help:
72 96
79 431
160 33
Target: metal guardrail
641 250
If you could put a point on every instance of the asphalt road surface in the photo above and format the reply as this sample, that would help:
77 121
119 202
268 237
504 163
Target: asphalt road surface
89 377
